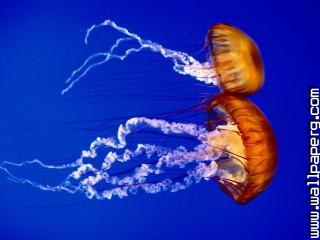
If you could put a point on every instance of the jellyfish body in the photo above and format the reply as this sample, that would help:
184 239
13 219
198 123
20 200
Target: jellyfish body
237 148
258 152
236 59
235 64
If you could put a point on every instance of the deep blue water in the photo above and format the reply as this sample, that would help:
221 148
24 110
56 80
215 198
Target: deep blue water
42 43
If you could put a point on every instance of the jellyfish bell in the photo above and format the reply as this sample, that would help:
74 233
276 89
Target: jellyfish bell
252 147
236 59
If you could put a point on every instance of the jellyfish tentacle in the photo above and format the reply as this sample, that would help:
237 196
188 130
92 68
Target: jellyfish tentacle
87 185
162 125
120 141
172 185
57 188
40 163
86 177
182 62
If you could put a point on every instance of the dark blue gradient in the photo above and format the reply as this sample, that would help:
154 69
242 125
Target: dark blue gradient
42 43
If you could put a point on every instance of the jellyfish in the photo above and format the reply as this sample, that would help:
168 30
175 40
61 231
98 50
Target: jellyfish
252 143
235 146
234 61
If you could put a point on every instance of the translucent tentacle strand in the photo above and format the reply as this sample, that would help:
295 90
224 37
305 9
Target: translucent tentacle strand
182 62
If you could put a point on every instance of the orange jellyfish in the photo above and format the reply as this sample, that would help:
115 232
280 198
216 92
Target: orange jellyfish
236 59
253 144
238 63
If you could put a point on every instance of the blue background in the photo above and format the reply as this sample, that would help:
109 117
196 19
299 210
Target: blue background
42 42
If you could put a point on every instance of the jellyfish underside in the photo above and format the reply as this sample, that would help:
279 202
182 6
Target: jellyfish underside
236 145
258 152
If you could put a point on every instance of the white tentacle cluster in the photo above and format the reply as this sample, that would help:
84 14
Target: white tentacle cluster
84 176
